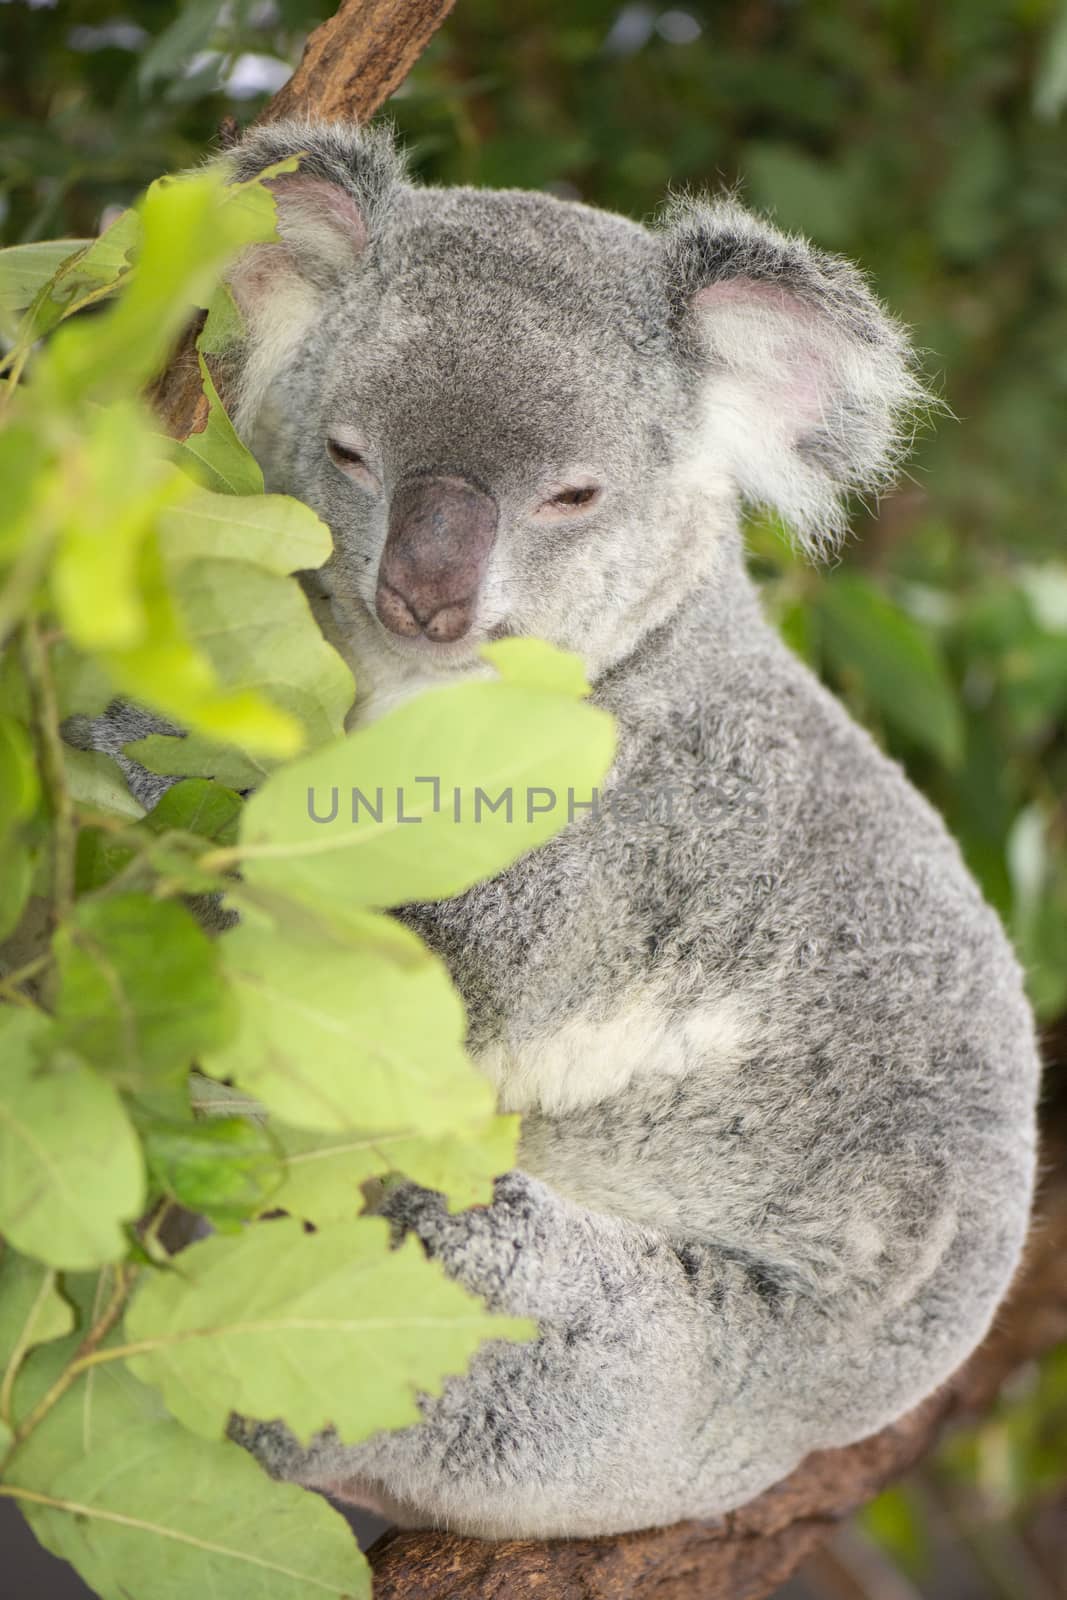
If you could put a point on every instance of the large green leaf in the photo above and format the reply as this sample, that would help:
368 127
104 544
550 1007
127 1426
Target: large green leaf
216 455
140 988
113 593
24 271
147 1511
70 1167
340 1033
171 667
267 530
324 1328
194 756
324 1173
898 669
401 810
158 1512
83 274
258 632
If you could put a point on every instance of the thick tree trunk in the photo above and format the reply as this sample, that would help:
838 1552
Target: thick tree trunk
350 66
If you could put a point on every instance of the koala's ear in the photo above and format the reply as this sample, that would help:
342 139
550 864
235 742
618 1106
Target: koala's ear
810 383
329 208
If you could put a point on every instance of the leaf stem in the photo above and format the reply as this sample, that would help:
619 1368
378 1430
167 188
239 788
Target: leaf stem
22 1344
50 751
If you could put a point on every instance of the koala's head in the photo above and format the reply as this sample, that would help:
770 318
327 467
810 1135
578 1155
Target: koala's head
520 415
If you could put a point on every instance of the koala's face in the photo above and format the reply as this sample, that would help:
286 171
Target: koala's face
519 415
489 416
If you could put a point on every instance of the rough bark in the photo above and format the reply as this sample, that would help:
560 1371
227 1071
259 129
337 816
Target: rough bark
351 64
746 1555
356 60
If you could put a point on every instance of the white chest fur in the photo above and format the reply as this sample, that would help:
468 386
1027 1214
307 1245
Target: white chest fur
588 1058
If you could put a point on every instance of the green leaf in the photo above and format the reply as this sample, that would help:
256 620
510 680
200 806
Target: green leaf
224 325
198 757
324 1173
32 1312
70 1167
452 751
348 1033
197 806
168 671
96 782
226 1170
533 664
221 460
143 1508
325 1328
192 227
24 271
140 988
158 1512
115 487
257 630
106 1399
88 272
19 788
171 50
269 531
894 662
25 520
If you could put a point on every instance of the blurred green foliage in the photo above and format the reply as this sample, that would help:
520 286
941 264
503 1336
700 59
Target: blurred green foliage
927 141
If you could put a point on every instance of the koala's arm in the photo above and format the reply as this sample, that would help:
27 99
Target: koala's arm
671 1378
607 1421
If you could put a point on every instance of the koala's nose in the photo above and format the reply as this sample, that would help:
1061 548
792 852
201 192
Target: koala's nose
441 530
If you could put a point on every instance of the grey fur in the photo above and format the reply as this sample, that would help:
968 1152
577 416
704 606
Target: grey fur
776 1065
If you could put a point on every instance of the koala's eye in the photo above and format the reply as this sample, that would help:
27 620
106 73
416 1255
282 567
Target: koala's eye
569 501
342 455
349 459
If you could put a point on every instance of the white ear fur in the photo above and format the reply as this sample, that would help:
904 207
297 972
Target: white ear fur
329 210
809 382
278 287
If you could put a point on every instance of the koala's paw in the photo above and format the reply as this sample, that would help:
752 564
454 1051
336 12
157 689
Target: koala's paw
520 1253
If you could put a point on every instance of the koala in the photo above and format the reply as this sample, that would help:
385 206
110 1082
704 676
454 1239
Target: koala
775 1066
